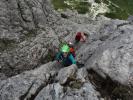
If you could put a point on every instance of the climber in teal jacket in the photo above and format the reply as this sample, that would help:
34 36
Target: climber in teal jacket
65 57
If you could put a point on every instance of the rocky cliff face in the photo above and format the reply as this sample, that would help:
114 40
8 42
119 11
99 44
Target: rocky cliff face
30 31
112 53
45 83
25 34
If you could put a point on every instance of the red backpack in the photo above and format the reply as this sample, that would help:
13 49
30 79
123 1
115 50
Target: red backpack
72 51
78 36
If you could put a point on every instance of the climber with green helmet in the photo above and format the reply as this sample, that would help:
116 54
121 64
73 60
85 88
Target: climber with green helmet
65 57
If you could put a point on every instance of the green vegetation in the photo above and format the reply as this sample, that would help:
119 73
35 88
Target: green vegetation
74 83
120 9
59 4
77 84
6 44
81 6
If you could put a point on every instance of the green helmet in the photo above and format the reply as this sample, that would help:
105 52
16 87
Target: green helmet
65 48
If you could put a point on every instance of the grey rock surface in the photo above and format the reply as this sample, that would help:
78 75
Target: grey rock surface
26 40
55 92
41 84
27 84
66 73
71 90
111 52
30 31
82 74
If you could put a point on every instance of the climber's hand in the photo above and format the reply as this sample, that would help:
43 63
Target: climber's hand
58 61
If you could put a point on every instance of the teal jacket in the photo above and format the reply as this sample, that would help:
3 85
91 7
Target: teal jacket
66 61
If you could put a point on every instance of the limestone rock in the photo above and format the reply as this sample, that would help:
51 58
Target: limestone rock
82 74
30 31
111 56
28 84
41 83
25 35
55 92
66 73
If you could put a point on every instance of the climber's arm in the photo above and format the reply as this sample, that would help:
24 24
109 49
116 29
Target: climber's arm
72 59
58 56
